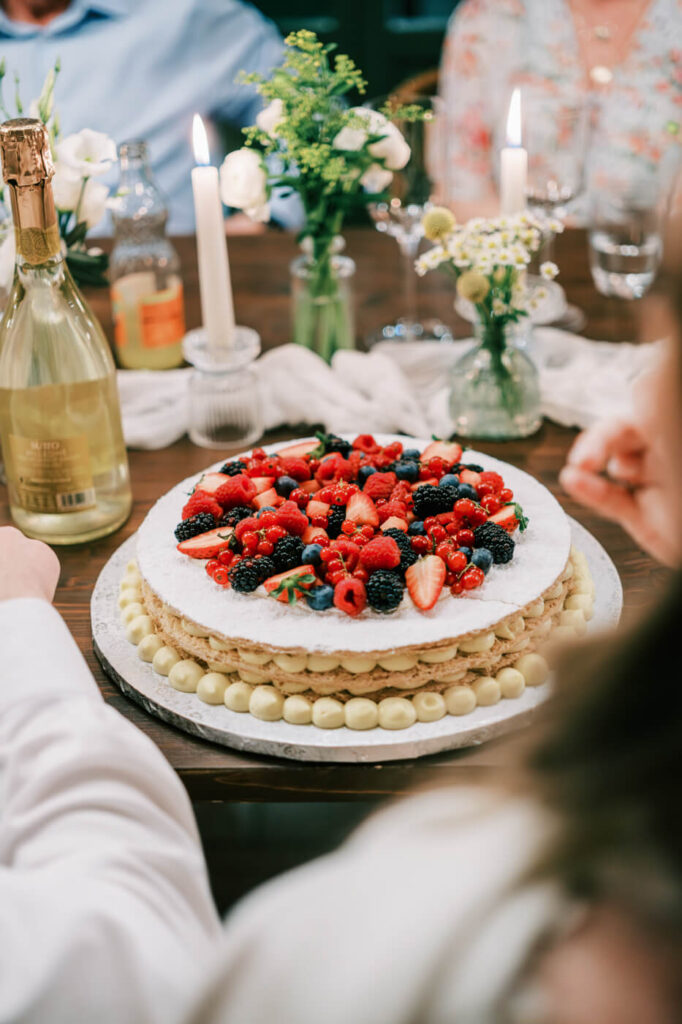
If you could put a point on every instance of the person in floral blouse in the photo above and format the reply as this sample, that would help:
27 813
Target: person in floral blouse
612 66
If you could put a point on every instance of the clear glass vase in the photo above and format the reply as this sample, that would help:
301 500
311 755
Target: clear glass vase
495 387
322 303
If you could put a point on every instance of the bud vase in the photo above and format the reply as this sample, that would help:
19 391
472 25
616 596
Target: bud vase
322 302
495 386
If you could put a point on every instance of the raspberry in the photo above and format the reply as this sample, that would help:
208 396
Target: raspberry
366 443
392 508
348 552
380 553
200 501
380 485
334 467
494 479
350 595
296 468
291 518
238 490
245 525
407 556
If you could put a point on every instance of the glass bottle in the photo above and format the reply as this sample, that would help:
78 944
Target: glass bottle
144 269
60 423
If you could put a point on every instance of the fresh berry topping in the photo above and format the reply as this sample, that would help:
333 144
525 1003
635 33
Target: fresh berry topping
320 598
233 468
449 480
468 492
496 539
311 553
332 443
449 451
483 558
465 538
394 523
200 501
407 555
425 581
201 523
384 591
206 545
287 553
298 451
249 573
350 595
473 467
291 585
380 553
262 483
491 503
510 516
300 497
505 495
284 485
472 577
430 500
364 473
297 468
361 509
237 490
494 480
210 482
416 528
291 518
366 443
380 485
335 520
235 515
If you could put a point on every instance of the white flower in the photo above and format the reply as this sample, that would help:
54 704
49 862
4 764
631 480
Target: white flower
94 203
66 187
376 178
392 148
7 253
269 118
549 270
243 183
87 152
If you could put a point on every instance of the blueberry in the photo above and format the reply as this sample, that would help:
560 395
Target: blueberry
284 485
467 491
468 552
311 554
416 528
268 508
411 455
364 473
320 598
482 558
407 471
449 480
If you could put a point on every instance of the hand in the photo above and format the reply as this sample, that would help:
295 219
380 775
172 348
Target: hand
28 568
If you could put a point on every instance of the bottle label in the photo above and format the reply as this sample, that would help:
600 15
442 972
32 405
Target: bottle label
52 476
154 319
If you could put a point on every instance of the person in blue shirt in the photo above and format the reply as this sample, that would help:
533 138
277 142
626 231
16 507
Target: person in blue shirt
139 69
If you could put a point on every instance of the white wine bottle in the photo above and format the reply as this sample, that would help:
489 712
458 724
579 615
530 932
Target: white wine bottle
60 423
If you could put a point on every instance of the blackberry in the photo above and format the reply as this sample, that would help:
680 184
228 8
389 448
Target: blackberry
233 468
473 467
384 590
496 540
333 443
450 495
287 553
200 523
248 574
335 518
407 556
430 500
235 515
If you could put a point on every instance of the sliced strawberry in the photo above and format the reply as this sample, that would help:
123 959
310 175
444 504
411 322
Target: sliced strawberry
316 508
262 483
266 498
509 517
310 486
314 535
425 581
297 451
361 509
211 482
290 585
469 476
394 523
206 545
449 451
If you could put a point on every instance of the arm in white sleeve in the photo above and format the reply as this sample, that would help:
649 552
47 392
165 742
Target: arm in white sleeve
105 908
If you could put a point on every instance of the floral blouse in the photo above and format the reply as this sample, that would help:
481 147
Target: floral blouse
635 123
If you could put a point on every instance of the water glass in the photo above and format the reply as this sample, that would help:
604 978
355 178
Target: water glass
626 241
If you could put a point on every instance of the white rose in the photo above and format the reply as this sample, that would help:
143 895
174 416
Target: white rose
66 187
376 178
392 149
93 203
87 152
269 118
243 183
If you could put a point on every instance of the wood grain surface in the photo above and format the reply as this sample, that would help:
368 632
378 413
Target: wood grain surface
261 286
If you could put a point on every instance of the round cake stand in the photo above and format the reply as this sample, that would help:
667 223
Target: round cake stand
141 683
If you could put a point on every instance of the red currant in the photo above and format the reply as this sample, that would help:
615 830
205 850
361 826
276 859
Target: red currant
429 522
211 566
267 519
367 531
420 544
491 503
438 533
477 517
456 561
506 495
452 528
275 533
299 496
348 527
319 520
221 576
464 507
443 550
265 547
472 577
456 588
226 557
465 538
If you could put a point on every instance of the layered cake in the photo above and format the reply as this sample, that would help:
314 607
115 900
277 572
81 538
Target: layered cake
360 582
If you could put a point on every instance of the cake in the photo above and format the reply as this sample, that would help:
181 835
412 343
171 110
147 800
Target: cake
355 582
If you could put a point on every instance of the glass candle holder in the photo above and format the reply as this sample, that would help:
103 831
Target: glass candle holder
225 406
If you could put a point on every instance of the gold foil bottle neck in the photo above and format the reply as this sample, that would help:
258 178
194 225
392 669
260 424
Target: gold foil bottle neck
25 152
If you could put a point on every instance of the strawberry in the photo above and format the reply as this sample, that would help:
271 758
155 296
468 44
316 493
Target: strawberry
394 523
315 535
380 553
298 451
350 595
420 483
316 508
509 517
211 482
310 486
237 490
289 586
469 476
296 468
449 451
392 508
361 509
200 501
380 485
206 545
425 581
267 498
291 518
262 483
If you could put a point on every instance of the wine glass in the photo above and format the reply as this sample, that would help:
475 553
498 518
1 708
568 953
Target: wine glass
400 216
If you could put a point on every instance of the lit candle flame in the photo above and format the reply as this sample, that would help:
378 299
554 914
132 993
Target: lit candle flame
202 153
514 119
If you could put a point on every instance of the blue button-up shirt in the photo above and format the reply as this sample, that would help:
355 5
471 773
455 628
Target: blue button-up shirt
139 69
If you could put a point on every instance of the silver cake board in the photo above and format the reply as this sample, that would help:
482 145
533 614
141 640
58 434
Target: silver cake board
139 682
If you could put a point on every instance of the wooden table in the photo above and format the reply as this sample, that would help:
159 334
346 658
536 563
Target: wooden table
261 285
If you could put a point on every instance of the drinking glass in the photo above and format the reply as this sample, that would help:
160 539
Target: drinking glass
626 239
410 194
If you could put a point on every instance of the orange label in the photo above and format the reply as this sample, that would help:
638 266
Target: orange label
162 318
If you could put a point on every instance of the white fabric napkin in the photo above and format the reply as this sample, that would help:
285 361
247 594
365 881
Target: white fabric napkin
399 387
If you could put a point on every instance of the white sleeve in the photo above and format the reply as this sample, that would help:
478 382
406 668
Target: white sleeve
105 908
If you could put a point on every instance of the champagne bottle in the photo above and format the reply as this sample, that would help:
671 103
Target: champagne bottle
60 423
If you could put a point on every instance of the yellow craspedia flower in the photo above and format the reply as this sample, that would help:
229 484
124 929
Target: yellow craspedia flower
473 286
438 222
